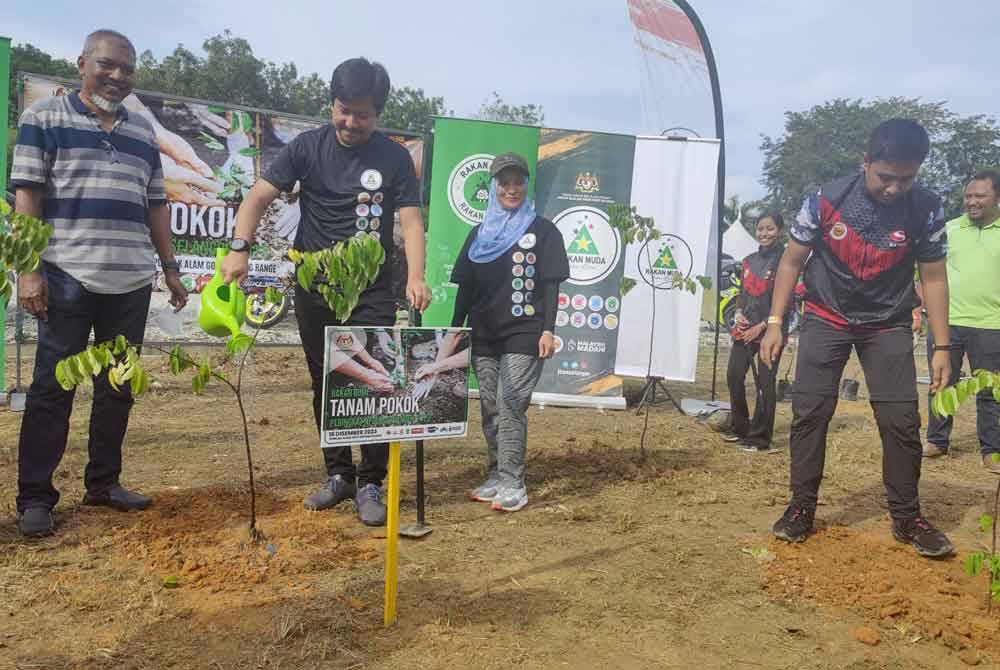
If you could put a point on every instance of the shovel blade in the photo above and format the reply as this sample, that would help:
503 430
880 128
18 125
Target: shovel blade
17 401
414 530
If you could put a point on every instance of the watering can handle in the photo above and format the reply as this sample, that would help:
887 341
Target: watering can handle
220 254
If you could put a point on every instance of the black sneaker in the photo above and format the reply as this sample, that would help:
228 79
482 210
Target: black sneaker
36 521
796 524
119 498
925 538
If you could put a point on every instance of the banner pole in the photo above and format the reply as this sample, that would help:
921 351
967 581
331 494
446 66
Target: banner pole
392 537
4 97
713 76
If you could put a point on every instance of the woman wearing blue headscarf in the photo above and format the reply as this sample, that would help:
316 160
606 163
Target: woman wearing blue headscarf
508 276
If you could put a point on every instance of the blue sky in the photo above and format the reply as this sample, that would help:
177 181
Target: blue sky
576 58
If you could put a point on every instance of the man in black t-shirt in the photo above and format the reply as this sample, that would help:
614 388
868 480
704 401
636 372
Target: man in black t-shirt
352 180
862 236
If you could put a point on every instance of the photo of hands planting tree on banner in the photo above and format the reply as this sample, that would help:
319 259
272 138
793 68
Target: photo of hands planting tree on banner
383 384
212 154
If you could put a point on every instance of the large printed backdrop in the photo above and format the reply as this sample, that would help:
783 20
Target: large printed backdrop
576 177
212 154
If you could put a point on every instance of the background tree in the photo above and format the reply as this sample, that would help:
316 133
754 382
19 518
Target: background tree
411 109
828 141
495 109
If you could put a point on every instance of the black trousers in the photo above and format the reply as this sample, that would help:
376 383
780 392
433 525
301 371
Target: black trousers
982 346
313 316
759 430
73 313
887 360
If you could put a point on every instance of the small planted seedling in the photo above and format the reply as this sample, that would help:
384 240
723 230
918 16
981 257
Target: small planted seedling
945 403
339 274
23 238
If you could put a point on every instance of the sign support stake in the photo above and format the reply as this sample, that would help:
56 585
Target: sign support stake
392 537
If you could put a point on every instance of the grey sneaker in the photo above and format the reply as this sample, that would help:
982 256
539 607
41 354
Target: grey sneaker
335 491
36 521
934 451
510 499
486 491
371 509
119 498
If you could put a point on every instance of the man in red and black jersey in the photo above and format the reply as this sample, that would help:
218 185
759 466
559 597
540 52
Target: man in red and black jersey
862 235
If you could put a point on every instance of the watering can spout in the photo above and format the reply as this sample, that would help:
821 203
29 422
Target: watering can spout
222 305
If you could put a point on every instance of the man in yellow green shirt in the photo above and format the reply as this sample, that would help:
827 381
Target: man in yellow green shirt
974 309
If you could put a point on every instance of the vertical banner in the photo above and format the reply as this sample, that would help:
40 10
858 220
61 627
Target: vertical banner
580 175
460 184
674 183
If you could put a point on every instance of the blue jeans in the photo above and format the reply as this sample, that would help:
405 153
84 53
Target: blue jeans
73 313
982 346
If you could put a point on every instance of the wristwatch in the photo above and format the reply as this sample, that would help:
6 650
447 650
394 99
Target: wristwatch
171 265
236 244
945 347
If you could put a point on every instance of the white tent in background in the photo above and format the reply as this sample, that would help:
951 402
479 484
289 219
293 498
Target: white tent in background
737 242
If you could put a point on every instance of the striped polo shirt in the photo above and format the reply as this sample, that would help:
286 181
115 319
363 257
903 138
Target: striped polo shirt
98 190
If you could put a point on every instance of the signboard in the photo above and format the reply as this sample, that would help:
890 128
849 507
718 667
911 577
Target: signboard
394 384
212 153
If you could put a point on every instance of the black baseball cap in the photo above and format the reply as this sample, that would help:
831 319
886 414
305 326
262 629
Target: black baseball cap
509 160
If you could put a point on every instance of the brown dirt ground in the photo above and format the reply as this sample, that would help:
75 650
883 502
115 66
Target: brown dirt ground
616 563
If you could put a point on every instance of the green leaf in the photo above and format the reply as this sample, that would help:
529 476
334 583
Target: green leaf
995 457
985 523
974 563
706 282
247 122
171 582
239 343
949 400
249 152
63 377
121 344
272 296
140 382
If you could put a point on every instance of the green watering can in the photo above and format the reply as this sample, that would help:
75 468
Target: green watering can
222 305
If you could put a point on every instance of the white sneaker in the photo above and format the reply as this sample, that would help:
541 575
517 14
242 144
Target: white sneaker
486 491
510 499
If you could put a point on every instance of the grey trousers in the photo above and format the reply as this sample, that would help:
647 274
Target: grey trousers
505 386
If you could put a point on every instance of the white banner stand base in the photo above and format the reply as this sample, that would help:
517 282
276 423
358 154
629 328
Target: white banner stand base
703 408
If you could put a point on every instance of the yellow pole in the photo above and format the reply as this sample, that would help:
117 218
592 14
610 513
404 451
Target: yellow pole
392 537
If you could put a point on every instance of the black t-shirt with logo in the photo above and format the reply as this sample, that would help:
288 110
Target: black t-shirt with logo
860 273
345 191
512 299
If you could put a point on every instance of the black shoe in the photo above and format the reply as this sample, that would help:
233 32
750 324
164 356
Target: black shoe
36 521
796 524
925 538
118 497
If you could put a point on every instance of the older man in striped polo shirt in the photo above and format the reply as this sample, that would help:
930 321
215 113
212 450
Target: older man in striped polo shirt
92 171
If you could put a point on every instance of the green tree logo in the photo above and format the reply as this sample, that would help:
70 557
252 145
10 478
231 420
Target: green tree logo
666 260
583 244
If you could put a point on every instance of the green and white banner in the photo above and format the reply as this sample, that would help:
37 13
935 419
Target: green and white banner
460 184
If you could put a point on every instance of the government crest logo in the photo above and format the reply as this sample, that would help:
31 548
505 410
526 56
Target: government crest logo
587 182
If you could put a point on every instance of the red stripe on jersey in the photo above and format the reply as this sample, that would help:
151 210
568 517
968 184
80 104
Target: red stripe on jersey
865 260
